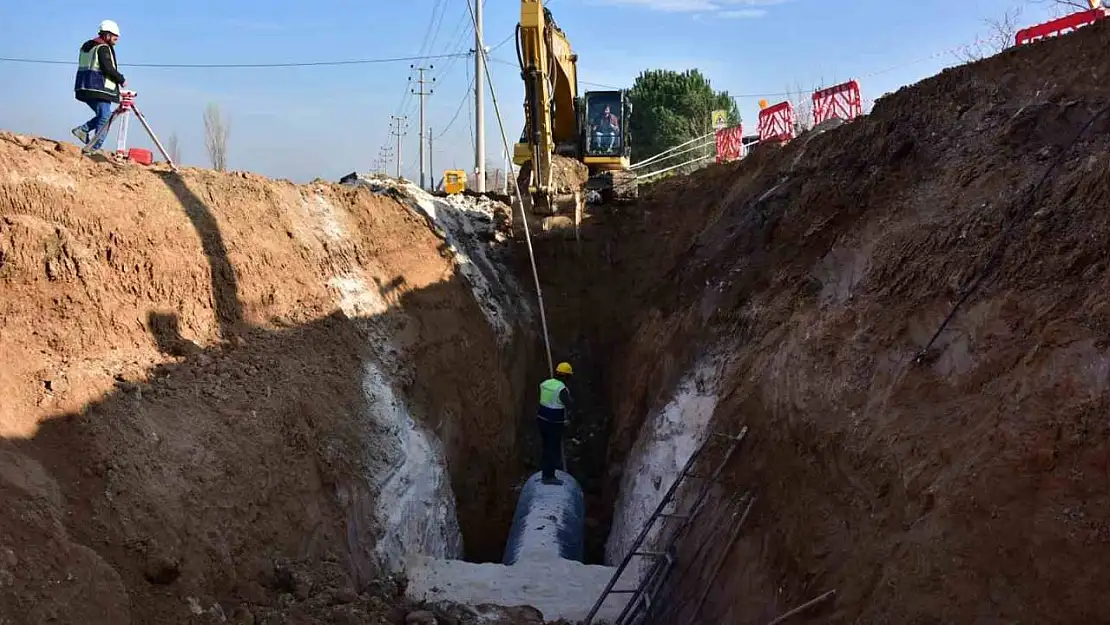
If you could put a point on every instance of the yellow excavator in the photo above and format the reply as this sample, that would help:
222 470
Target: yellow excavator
571 144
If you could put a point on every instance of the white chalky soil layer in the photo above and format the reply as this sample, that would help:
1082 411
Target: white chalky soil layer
665 444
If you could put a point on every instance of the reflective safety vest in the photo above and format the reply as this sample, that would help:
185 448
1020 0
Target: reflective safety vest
90 81
549 394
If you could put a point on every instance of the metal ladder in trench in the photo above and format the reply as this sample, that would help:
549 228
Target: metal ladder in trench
663 560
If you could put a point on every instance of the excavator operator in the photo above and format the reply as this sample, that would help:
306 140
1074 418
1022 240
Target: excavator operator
555 400
606 130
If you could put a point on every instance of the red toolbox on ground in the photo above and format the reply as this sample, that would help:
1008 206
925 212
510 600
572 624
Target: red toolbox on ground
140 156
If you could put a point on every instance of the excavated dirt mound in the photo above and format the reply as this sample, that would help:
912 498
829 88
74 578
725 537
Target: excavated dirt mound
186 417
568 174
965 483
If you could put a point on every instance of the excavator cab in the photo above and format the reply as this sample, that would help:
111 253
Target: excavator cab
603 118
605 129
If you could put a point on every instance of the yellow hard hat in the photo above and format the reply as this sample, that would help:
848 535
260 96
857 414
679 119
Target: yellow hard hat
564 367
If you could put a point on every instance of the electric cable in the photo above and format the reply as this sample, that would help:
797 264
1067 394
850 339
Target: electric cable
394 59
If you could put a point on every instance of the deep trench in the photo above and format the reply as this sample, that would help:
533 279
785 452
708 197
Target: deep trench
585 443
579 315
585 446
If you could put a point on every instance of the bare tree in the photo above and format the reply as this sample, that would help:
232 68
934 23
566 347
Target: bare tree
999 36
802 101
173 146
1070 6
215 137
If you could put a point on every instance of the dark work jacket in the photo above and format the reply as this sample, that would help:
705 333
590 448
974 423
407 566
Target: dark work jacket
98 78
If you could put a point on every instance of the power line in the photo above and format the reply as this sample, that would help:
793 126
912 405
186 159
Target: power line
395 59
456 44
404 107
503 41
583 82
434 26
462 102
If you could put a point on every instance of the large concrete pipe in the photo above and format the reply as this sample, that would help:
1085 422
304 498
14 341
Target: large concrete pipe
549 521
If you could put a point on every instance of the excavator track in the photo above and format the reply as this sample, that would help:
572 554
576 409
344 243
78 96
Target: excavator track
614 186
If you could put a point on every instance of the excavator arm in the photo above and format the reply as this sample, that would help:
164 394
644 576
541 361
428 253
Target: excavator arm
549 69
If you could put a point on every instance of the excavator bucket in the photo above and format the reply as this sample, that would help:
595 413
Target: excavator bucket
548 214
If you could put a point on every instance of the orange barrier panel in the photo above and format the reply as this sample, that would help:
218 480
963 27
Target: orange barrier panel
1059 26
730 144
841 101
776 123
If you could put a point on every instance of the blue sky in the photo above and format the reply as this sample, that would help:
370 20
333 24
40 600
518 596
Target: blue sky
302 123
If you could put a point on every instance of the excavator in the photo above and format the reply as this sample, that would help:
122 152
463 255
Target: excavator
571 145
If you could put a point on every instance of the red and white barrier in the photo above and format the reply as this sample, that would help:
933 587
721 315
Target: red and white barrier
730 144
776 123
1059 26
842 101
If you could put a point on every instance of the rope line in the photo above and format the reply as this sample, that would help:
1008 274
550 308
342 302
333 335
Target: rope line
519 196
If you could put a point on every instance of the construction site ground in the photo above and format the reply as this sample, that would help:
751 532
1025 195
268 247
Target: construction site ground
191 432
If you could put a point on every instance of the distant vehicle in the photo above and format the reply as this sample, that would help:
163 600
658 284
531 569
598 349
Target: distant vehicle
454 181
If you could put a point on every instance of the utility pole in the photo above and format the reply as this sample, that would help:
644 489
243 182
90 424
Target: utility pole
397 132
384 155
421 93
479 99
431 170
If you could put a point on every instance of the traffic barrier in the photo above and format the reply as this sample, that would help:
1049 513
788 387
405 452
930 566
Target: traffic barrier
841 101
776 123
1059 26
730 144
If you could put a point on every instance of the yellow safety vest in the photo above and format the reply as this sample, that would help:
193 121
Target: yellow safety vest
549 394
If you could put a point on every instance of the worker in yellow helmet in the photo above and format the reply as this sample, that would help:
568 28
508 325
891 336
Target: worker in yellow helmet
552 419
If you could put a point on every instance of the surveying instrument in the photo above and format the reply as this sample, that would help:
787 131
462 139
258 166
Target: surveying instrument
127 105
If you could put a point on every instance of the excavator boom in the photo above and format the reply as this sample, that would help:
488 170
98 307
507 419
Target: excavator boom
570 143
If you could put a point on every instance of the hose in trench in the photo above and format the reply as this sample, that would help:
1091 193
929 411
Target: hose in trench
519 195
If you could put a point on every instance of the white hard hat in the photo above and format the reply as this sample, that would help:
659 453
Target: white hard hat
108 26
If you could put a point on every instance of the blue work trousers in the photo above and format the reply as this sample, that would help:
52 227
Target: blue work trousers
103 111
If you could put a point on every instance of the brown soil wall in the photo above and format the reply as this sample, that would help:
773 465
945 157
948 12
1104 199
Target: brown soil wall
183 418
964 486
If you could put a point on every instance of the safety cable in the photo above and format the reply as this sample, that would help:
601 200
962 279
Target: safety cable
1003 239
656 161
519 196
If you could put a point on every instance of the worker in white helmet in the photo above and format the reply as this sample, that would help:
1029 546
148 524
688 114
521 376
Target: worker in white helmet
98 81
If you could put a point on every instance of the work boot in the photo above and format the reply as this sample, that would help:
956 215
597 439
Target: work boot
81 134
552 481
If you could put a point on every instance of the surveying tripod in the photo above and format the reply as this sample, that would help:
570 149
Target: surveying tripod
127 105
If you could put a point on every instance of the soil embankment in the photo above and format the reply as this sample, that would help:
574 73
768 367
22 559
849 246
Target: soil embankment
219 393
960 483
